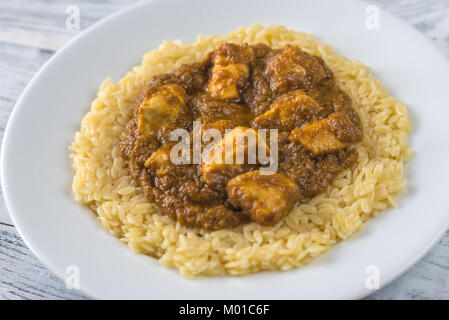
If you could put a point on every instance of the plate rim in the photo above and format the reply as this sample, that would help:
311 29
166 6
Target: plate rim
19 105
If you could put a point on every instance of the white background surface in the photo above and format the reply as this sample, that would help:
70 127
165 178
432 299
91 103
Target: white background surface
30 31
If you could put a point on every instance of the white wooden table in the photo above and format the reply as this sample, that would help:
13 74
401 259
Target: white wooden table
30 33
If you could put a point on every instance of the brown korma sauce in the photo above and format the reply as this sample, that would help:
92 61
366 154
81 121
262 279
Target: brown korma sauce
247 87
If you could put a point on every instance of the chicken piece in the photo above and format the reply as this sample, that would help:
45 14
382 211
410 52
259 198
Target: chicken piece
289 111
293 68
236 153
159 162
317 137
161 108
265 198
230 70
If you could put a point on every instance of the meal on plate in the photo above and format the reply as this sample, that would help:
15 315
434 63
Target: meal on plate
253 151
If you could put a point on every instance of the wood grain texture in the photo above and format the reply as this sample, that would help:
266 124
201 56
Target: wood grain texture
32 30
23 276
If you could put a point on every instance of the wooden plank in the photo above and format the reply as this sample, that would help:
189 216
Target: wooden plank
22 276
43 23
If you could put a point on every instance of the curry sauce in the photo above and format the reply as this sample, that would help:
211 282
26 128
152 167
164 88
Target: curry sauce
242 88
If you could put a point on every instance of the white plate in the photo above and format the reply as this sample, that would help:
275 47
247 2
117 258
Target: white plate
36 170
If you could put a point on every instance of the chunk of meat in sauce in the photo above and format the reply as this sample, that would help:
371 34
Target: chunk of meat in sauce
235 154
294 68
317 137
230 70
291 110
161 109
265 198
159 162
330 134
